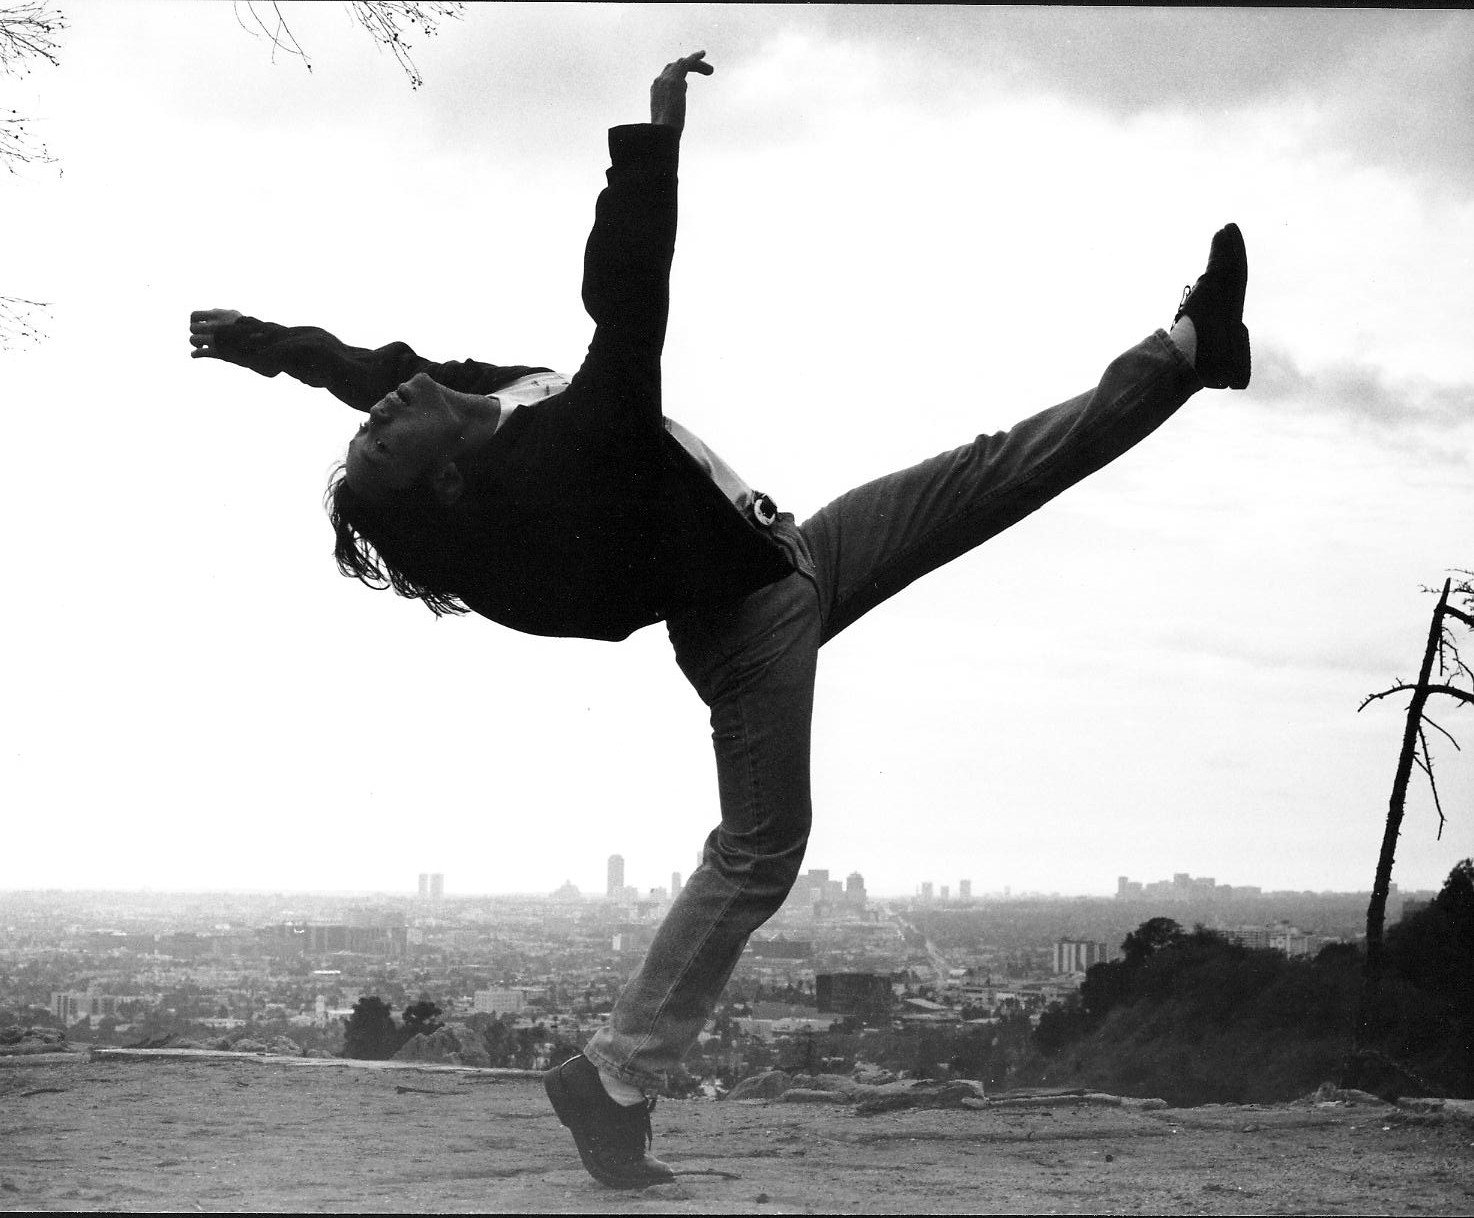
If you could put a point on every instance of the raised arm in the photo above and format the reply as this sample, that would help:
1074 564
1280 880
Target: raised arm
358 376
626 282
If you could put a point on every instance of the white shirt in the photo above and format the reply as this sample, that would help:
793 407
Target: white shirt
539 385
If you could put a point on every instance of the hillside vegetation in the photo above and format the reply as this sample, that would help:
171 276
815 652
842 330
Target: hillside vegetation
1193 1018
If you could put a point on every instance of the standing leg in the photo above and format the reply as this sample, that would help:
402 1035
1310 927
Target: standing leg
752 661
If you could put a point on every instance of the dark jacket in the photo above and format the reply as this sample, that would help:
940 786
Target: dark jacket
583 516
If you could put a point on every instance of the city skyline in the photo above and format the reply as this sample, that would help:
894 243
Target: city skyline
1161 669
433 886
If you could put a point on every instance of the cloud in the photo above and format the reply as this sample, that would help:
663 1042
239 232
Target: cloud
1390 88
1365 394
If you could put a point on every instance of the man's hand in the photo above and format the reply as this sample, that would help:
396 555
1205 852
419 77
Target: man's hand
668 93
203 325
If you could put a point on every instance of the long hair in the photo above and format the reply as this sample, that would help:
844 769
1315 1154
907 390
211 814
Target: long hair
405 541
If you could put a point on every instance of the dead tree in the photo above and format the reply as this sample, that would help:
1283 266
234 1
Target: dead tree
1452 675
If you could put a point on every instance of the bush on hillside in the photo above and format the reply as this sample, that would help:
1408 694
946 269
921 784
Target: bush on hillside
1193 1018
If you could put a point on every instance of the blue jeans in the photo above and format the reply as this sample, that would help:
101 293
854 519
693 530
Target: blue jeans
753 662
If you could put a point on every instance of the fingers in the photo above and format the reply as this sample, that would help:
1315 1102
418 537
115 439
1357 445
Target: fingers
689 63
693 63
203 326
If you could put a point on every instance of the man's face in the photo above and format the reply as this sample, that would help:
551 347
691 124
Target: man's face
408 435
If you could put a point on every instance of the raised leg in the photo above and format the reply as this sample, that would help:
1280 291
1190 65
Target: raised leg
874 540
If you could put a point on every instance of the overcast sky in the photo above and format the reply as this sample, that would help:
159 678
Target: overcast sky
900 226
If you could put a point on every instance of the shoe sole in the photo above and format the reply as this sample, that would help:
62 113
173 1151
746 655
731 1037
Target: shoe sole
1240 362
564 1105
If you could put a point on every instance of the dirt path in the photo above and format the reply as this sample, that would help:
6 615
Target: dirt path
173 1134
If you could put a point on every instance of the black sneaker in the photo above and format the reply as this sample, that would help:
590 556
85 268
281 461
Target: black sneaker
1216 305
612 1139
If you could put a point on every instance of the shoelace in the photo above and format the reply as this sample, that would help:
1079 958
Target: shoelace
645 1122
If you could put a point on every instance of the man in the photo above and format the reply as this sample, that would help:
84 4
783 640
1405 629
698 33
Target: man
576 508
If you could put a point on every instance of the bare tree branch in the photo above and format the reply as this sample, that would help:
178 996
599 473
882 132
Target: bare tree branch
1450 690
384 20
18 321
1451 740
1432 782
17 145
278 33
26 34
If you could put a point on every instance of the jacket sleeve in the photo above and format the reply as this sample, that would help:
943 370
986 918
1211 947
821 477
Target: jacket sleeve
358 376
626 281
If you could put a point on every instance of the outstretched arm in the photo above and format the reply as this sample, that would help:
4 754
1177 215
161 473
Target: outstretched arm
358 376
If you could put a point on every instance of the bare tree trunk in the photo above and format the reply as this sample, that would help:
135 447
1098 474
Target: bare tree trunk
1377 906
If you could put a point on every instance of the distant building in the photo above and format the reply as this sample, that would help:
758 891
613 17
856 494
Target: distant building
964 890
73 1005
675 885
946 892
780 948
926 890
1181 888
924 1010
814 892
864 996
499 1002
614 887
1281 937
318 939
632 938
1077 955
854 892
432 885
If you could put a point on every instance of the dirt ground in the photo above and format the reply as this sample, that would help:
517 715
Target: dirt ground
198 1133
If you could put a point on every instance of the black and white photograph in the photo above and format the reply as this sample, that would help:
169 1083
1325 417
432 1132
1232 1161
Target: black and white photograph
789 608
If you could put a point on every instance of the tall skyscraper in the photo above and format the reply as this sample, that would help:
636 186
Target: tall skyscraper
424 884
615 887
675 885
437 886
926 890
964 890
